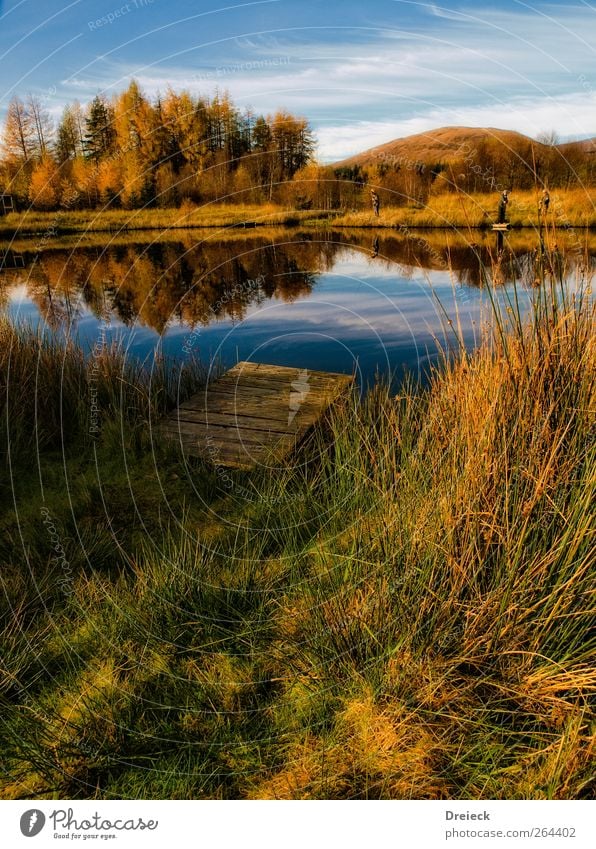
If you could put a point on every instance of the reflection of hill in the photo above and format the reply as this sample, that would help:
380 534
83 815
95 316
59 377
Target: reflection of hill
220 277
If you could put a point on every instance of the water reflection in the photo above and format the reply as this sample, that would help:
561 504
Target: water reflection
323 300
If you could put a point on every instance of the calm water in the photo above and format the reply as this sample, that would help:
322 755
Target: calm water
336 301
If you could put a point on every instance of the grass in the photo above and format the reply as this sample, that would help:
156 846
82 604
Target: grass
403 610
572 208
63 222
569 208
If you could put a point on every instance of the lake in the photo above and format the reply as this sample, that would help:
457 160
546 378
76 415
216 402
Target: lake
348 301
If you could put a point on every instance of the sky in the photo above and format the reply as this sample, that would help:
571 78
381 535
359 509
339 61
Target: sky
362 71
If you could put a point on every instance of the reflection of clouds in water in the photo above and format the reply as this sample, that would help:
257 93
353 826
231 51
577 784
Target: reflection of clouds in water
349 304
18 293
346 320
319 303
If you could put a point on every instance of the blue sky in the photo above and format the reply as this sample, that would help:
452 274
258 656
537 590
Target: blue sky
362 72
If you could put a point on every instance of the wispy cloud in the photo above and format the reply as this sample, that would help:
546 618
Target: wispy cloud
407 68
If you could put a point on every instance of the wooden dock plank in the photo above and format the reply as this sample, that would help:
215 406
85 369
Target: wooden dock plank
231 422
270 408
228 435
255 414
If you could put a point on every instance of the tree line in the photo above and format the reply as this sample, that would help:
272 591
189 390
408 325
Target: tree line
131 151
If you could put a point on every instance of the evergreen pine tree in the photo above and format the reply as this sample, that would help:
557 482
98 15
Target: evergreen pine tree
100 136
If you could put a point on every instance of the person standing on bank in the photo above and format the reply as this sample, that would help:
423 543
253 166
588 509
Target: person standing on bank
544 201
503 206
376 201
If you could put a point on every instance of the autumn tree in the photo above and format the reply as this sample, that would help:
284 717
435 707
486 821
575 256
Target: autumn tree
108 181
42 128
136 127
69 136
293 143
134 150
261 162
314 186
187 128
166 185
18 139
44 189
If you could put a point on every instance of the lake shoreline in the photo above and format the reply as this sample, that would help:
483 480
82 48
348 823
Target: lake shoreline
11 233
569 210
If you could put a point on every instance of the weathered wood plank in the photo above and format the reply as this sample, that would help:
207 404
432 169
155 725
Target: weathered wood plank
245 368
268 408
234 436
255 414
233 421
275 377
254 389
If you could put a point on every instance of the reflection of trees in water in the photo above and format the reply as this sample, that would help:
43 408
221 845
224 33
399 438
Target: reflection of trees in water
473 263
163 282
58 297
194 283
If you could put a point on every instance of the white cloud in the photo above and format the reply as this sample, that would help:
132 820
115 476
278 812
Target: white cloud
573 116
512 68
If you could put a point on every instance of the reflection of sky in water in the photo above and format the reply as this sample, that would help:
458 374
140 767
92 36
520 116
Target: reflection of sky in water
361 315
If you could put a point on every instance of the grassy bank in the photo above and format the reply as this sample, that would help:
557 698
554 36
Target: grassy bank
64 222
409 614
573 208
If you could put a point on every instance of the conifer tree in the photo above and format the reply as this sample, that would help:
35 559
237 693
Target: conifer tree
100 136
69 141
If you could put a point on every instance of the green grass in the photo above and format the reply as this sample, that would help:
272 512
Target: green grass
403 610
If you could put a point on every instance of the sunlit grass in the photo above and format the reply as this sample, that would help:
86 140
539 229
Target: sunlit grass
568 208
51 224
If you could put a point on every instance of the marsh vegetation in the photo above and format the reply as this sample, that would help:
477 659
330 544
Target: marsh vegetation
402 610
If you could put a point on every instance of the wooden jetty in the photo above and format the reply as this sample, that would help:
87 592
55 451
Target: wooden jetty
255 414
501 227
